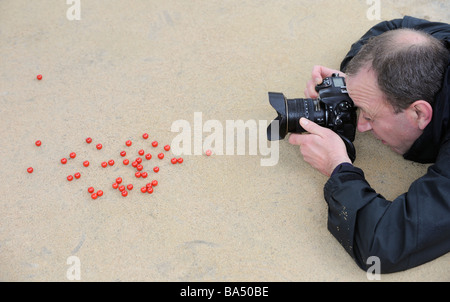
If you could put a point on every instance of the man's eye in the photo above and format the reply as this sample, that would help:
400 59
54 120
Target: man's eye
366 117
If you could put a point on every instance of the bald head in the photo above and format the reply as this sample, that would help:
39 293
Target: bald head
406 36
409 65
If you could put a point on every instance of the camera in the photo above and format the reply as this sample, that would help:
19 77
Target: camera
333 109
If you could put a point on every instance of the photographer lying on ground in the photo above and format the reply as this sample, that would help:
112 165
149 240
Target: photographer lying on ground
398 75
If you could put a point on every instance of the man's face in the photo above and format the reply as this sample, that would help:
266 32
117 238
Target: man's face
396 130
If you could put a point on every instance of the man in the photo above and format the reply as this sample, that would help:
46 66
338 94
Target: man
398 75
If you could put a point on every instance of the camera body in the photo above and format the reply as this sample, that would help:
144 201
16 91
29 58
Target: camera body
333 109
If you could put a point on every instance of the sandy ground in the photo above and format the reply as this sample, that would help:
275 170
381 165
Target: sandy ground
130 67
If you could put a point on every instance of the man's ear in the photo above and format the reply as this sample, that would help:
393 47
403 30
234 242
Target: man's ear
423 113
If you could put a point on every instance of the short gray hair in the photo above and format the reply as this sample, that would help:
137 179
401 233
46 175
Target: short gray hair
409 65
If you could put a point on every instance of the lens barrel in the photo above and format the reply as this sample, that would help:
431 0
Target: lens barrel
311 109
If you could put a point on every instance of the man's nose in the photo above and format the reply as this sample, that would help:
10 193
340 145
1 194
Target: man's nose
363 124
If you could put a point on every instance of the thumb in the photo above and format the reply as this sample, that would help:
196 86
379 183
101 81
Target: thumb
310 126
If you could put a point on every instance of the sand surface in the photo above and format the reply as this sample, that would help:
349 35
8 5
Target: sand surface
133 67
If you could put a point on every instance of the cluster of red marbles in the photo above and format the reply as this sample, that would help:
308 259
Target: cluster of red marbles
137 164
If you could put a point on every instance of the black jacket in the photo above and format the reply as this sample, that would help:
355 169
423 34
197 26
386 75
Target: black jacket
415 227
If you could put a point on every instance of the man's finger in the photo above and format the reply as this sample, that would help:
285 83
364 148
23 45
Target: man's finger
310 91
311 127
295 139
320 72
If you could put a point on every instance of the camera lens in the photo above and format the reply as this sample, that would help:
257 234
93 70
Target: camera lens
289 113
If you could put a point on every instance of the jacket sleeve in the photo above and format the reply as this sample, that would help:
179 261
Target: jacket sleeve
406 232
438 30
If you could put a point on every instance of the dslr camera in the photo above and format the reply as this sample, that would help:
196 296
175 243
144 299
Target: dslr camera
333 109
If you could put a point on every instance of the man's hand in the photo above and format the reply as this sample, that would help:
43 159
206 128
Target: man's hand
321 147
317 75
